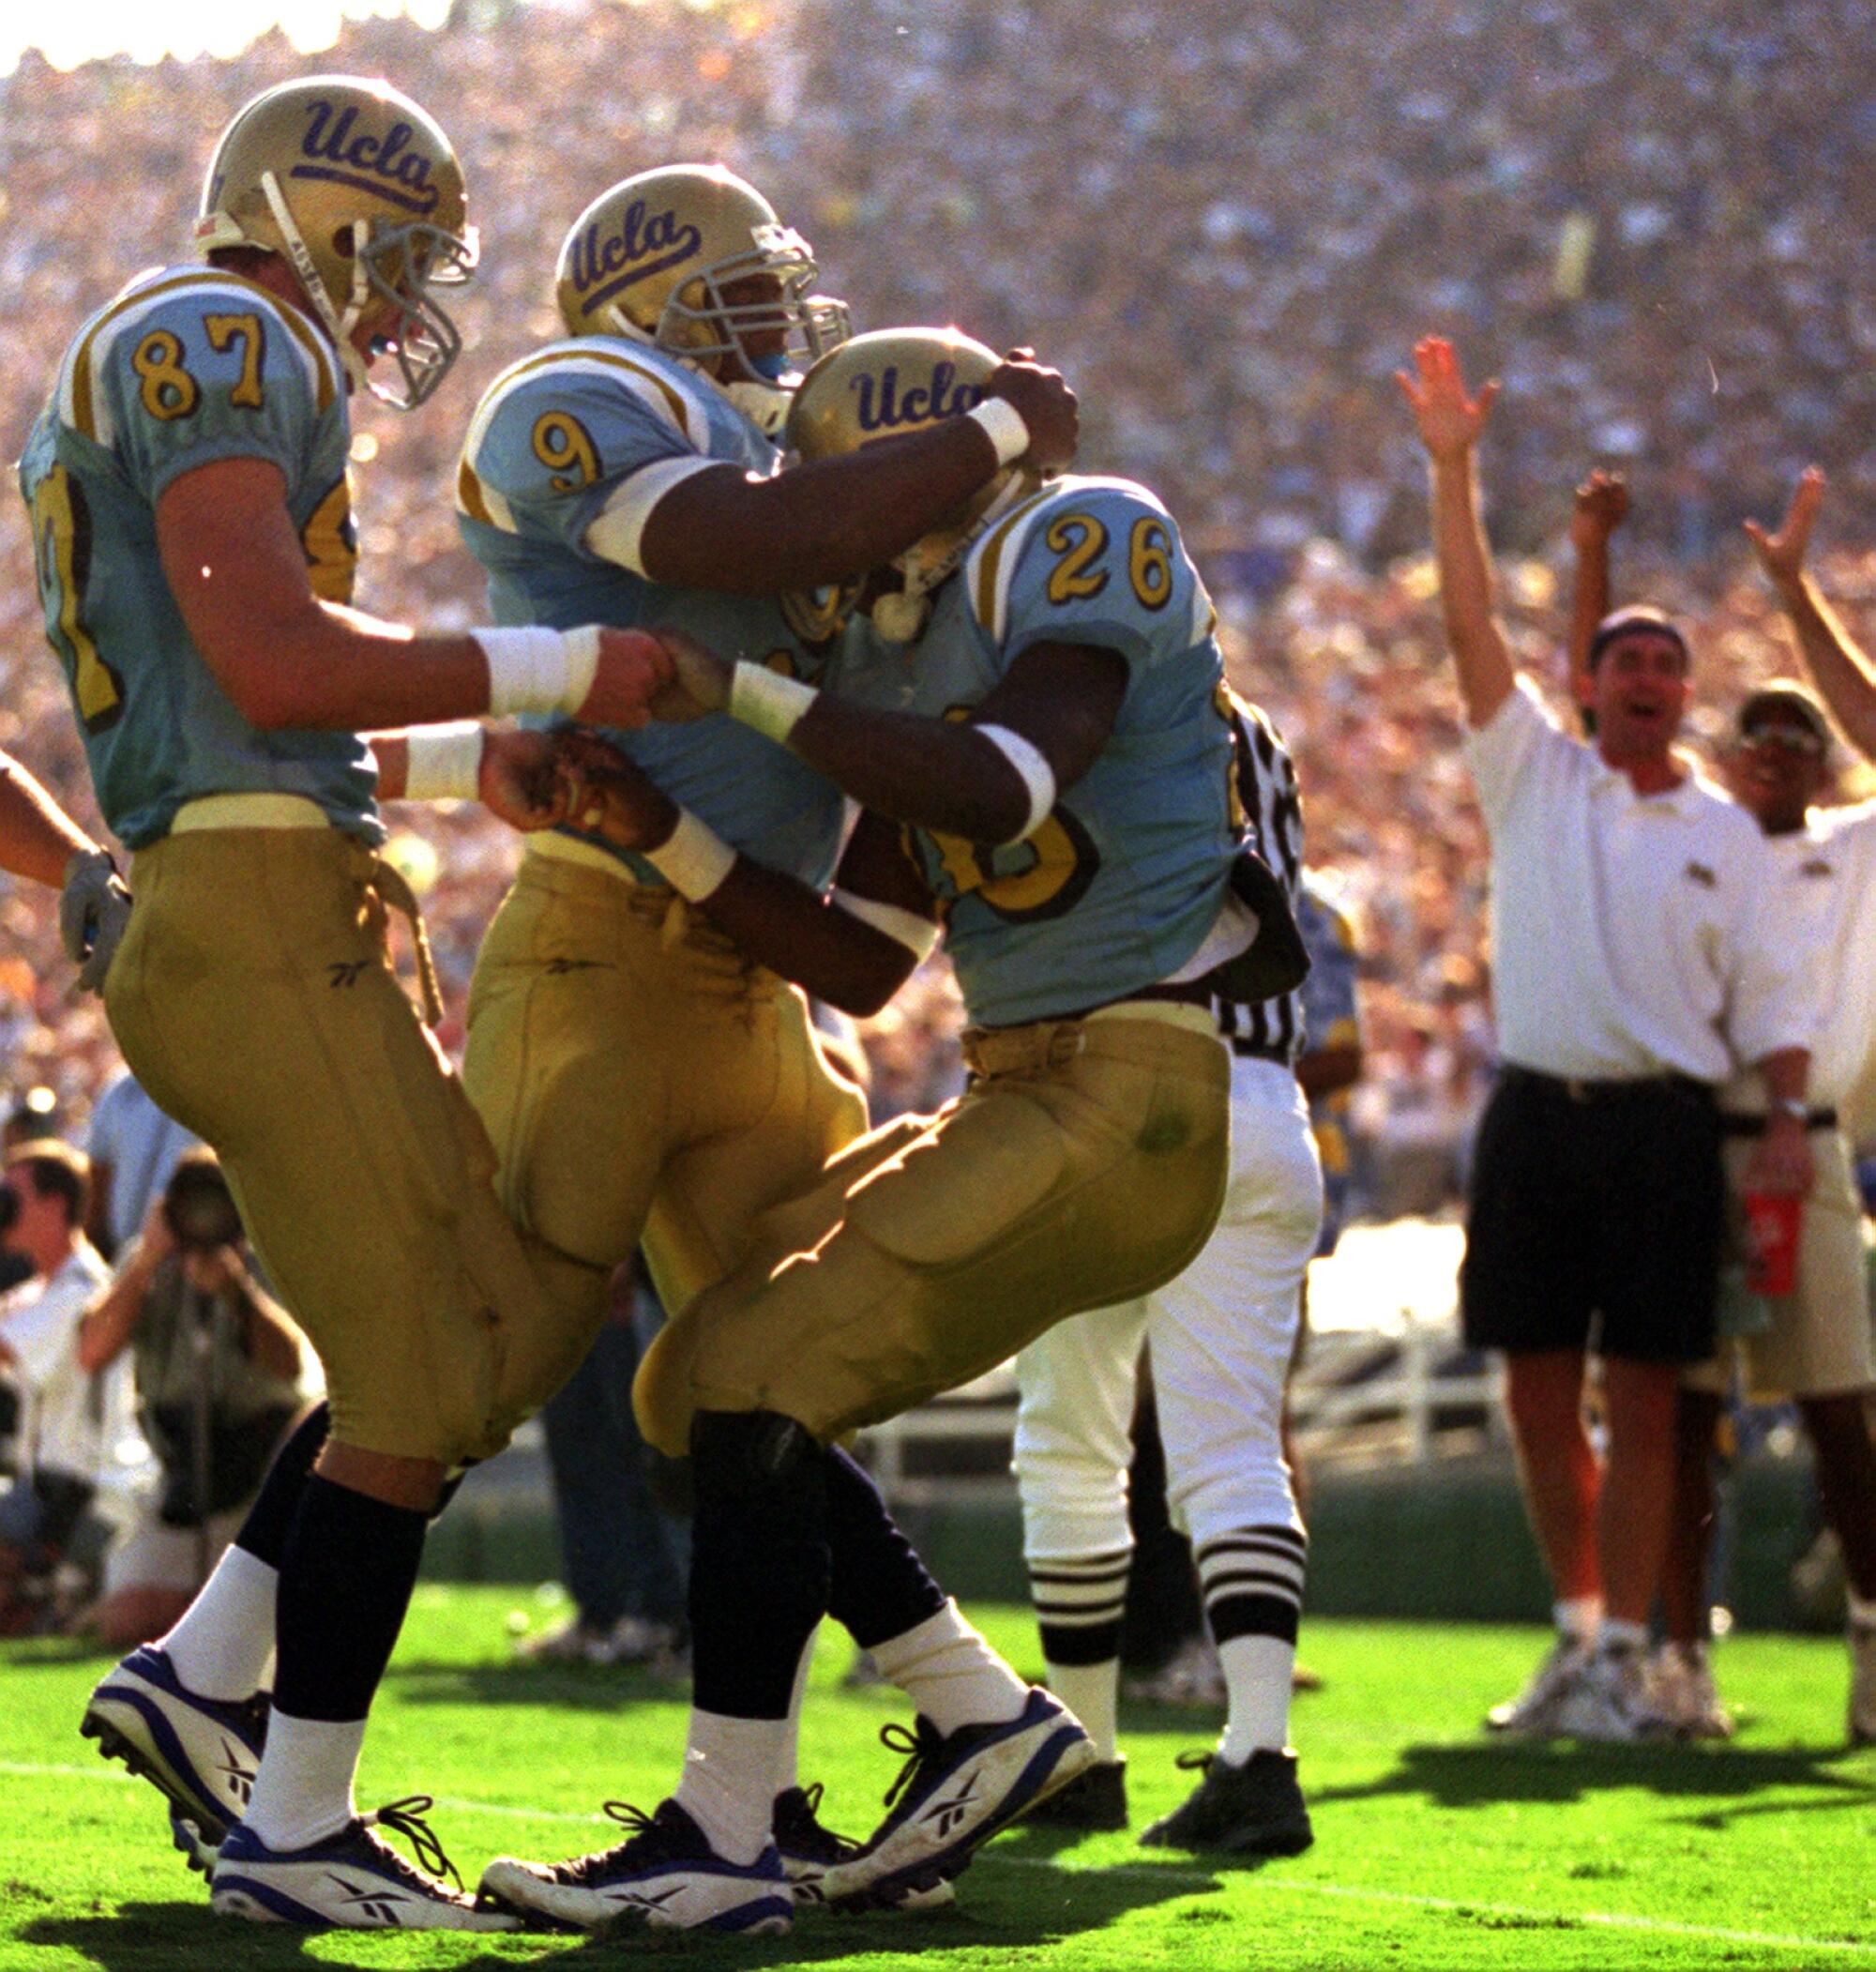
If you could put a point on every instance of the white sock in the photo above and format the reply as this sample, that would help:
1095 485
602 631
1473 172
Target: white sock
1616 1634
1092 1692
222 1644
1862 1608
950 1673
1577 1617
303 1792
729 1784
788 1761
1258 1673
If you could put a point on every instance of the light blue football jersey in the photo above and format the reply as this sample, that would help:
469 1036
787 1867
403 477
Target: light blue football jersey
1332 1015
1120 886
186 366
556 437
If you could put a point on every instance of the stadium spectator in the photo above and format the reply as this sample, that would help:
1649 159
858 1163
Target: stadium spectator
1640 950
133 1149
73 1419
219 1376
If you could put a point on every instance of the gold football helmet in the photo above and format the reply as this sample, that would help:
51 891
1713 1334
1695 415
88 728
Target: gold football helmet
361 193
882 386
656 257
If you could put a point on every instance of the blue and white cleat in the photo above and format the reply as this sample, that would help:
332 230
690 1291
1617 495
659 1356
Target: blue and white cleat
352 1881
199 1753
664 1875
809 1849
954 1792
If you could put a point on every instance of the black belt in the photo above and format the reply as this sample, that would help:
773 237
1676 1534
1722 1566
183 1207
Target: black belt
1247 1050
1587 1090
1735 1126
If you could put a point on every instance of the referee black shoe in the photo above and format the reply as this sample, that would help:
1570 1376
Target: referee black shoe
1255 1809
1095 1801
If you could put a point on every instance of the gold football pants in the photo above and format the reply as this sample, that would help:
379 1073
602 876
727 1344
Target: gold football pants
1084 1165
642 1081
253 998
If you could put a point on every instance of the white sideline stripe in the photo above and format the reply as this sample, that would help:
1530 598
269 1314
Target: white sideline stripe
1158 1872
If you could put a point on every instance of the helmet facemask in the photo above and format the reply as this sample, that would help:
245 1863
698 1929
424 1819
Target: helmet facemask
898 614
396 264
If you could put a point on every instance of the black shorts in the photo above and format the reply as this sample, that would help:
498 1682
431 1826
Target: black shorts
1605 1201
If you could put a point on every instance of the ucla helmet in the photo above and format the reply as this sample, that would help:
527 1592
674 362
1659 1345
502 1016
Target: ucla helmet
361 193
654 258
882 386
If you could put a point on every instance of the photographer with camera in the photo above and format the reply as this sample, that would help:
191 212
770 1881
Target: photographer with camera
71 1418
219 1379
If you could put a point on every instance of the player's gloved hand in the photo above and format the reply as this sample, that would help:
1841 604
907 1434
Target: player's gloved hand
613 797
93 909
520 778
1048 407
699 678
634 668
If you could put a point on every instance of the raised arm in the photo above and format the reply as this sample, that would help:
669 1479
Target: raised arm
1842 671
1600 506
1450 423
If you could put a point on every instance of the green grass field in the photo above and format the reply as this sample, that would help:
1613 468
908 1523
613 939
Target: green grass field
1433 1848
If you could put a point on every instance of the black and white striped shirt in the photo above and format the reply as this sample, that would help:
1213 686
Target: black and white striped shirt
1265 778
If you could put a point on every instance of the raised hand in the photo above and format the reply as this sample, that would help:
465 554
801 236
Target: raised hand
520 779
634 668
1048 409
1600 506
1782 555
1449 420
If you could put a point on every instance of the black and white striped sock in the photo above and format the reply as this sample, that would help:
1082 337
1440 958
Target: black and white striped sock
1079 1605
1253 1583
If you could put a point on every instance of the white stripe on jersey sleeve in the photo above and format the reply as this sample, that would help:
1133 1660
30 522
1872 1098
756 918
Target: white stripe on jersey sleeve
615 534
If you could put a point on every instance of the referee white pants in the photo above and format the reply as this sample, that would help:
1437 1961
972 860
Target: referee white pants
1222 1335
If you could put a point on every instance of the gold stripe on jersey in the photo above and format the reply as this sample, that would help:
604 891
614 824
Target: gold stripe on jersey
570 355
81 410
986 587
469 495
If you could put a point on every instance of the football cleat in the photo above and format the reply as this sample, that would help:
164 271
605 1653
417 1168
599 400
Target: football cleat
1605 1702
1862 1637
352 1881
201 1753
809 1848
1096 1801
1254 1808
954 1792
1681 1688
664 1875
1533 1714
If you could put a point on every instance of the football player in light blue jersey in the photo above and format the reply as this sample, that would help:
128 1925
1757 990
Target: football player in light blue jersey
191 521
1067 648
642 1077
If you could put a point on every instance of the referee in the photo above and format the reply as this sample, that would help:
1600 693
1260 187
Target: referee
1638 960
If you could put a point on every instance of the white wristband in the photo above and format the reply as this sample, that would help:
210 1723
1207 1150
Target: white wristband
765 700
538 669
1004 425
907 928
445 761
1038 777
694 861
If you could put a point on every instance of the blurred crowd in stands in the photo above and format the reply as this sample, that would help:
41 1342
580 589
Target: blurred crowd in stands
1227 227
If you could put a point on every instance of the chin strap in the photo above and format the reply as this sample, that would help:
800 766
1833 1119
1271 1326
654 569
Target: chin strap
339 327
900 614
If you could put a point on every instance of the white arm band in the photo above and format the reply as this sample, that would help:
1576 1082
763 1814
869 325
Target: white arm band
1038 777
765 700
1004 425
445 761
907 928
694 861
538 670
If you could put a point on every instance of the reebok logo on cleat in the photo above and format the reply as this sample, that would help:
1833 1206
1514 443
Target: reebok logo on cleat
948 1814
377 1904
347 972
240 1778
641 1900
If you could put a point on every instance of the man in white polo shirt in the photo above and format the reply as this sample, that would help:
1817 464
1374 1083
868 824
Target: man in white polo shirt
1636 968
